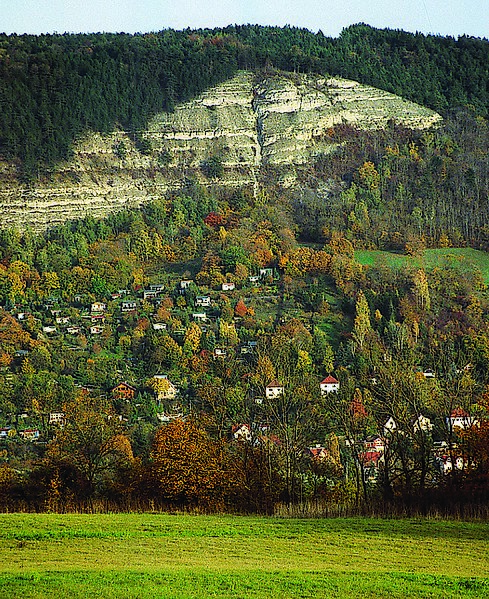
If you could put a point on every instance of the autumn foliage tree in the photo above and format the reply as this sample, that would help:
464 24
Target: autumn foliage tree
92 441
475 445
214 220
240 309
188 468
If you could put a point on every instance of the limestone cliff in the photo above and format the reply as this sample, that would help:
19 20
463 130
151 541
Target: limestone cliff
248 122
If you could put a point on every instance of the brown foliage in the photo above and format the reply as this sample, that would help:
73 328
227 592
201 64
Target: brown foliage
188 468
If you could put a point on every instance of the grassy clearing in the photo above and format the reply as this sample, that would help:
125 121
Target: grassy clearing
153 555
462 258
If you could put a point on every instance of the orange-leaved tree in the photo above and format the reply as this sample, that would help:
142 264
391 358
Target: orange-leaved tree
189 468
475 446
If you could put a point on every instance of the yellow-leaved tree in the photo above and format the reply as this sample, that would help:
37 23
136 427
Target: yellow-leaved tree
189 468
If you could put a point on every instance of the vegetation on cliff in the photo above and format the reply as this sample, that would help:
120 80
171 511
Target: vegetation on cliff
54 87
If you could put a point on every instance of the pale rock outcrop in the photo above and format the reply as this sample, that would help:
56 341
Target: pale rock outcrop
277 120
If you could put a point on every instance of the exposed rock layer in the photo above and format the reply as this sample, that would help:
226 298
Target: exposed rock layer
247 122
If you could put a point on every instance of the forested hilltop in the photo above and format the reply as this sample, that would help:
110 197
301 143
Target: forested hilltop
54 87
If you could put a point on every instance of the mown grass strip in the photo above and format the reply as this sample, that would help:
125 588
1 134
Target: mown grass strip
458 258
252 585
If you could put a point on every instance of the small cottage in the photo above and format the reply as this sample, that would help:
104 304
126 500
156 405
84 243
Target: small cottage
329 385
129 306
124 391
203 300
274 389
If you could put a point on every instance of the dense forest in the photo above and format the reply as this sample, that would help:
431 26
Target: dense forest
56 86
228 348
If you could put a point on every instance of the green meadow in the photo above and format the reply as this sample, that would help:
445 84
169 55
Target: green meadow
182 556
461 258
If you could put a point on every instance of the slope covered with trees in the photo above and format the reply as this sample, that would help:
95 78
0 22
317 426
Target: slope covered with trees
183 354
220 322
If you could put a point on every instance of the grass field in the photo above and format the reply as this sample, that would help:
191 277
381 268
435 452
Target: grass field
457 257
175 557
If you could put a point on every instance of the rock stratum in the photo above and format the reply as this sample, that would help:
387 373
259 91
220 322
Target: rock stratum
247 123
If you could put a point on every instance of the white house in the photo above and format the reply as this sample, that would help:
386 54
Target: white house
203 300
164 388
242 432
30 434
149 294
129 306
461 419
73 330
329 385
98 307
422 423
228 286
199 316
446 466
57 418
160 326
7 432
390 426
274 389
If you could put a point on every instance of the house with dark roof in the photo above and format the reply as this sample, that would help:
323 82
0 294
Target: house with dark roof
124 391
273 389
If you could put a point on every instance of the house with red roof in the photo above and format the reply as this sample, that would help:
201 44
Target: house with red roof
329 385
461 419
241 432
318 453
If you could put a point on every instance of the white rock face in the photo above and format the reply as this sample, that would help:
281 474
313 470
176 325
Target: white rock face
278 120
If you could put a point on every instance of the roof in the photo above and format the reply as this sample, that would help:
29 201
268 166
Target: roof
329 380
459 413
125 384
370 457
237 427
318 452
274 383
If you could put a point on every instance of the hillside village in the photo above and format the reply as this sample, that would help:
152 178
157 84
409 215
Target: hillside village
218 330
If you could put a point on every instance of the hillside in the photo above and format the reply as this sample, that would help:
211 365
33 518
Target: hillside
181 283
56 87
242 125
